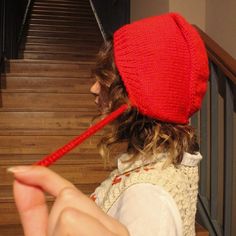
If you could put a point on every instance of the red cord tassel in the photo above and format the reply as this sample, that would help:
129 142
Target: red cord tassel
50 159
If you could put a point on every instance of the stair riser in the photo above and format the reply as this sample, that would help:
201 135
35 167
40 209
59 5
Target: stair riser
92 158
79 18
47 100
49 68
69 12
86 8
40 145
60 48
73 28
79 2
64 42
45 84
44 120
58 56
63 22
63 34
55 2
61 5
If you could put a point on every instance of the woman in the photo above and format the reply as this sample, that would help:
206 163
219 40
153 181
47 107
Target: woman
153 75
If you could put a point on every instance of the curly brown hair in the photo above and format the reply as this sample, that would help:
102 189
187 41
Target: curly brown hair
143 135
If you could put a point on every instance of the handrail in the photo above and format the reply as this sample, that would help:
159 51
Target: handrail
3 18
215 125
219 56
25 17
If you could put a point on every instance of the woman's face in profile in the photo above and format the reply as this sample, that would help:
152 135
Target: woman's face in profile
96 89
101 95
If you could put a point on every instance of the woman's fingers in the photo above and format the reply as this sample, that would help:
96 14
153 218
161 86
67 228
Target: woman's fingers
29 187
32 208
42 177
67 196
75 222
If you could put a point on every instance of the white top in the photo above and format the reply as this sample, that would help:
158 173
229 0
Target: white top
147 209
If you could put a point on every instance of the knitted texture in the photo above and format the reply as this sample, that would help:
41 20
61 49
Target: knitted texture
181 183
53 157
163 64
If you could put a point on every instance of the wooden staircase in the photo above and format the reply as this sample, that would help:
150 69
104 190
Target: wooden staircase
45 100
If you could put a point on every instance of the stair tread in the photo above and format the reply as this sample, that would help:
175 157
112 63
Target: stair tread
61 22
59 32
50 61
72 12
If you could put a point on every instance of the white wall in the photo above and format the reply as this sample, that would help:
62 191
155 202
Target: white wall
221 23
193 10
216 17
144 8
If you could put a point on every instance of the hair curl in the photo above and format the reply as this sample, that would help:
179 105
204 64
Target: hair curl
143 135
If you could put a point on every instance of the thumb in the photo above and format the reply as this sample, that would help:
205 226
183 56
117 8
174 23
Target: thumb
32 208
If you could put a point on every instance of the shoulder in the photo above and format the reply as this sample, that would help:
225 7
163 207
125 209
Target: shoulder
150 205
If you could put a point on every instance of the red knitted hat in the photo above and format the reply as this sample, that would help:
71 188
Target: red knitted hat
163 64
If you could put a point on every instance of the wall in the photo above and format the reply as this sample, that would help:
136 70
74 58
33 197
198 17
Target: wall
193 10
141 9
215 17
221 23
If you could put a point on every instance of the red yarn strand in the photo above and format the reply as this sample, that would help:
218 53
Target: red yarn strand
53 157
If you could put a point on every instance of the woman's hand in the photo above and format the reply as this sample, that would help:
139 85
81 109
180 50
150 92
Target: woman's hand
73 213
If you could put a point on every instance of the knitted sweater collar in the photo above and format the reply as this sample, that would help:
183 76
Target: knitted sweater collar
188 160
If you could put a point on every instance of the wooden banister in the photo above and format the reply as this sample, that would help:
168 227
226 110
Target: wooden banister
219 56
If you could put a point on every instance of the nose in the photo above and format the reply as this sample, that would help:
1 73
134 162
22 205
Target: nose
95 88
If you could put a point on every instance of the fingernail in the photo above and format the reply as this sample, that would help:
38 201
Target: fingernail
17 169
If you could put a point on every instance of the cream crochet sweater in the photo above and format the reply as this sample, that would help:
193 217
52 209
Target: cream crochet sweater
180 182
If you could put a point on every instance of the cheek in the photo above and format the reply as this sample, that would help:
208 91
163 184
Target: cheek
103 99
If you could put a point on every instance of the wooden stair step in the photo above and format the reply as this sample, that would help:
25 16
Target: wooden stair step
57 2
56 56
51 73
64 40
82 34
72 28
92 158
64 12
61 47
61 6
45 121
62 17
83 89
46 100
66 1
46 109
24 66
46 84
41 144
51 5
62 22
200 230
12 229
43 132
61 9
